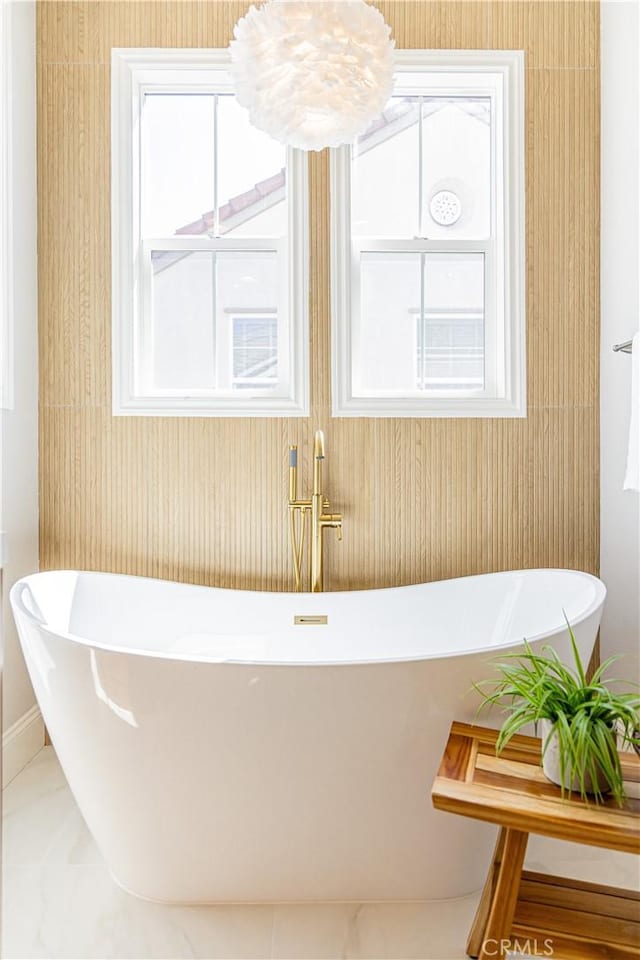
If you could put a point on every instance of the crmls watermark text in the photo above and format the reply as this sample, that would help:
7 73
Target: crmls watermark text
525 948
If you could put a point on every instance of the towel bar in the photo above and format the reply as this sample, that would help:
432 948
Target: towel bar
623 347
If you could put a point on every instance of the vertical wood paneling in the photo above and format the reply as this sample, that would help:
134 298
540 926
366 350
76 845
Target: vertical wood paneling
203 500
555 33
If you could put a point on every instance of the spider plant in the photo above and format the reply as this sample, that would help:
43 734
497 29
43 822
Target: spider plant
589 717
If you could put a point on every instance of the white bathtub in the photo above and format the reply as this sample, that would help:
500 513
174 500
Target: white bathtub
218 752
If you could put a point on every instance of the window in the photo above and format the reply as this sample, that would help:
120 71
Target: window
209 246
427 246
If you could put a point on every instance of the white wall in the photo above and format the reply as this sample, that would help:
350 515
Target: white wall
620 290
19 517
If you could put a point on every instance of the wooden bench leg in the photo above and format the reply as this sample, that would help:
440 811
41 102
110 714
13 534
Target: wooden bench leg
491 930
476 934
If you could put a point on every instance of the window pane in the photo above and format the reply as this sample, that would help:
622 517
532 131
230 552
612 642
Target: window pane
456 152
177 163
201 147
384 339
199 302
251 176
450 334
384 180
247 286
417 336
428 177
182 312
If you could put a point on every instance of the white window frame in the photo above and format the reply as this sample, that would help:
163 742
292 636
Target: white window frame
135 72
504 281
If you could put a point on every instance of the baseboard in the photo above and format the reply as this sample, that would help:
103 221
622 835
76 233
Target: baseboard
21 742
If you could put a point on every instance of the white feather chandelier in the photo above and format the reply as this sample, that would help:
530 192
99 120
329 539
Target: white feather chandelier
313 73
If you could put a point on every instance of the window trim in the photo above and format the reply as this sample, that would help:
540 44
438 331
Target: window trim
133 72
509 63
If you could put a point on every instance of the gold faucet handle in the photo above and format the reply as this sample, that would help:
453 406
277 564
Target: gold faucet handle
333 520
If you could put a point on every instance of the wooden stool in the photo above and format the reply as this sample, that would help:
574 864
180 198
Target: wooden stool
532 913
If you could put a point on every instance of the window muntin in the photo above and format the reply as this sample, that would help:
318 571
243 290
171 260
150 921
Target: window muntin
427 319
217 228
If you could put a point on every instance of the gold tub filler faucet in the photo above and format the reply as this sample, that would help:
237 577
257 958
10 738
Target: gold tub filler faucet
314 510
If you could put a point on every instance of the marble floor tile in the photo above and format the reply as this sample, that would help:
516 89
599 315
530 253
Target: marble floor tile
35 807
313 931
76 911
72 843
373 931
435 930
60 902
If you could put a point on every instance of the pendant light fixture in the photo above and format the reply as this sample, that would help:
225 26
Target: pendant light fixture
313 73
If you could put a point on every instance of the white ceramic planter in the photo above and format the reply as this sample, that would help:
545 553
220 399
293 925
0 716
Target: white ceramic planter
551 764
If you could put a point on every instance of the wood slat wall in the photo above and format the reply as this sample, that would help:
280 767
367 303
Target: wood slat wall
203 500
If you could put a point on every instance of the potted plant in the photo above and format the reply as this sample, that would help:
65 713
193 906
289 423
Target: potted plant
583 722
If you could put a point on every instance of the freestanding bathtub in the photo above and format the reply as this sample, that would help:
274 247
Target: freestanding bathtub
219 751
